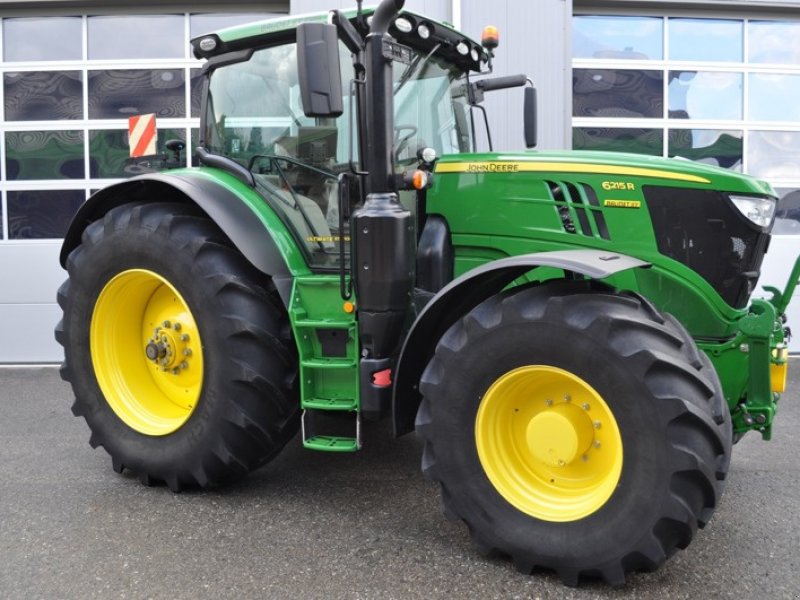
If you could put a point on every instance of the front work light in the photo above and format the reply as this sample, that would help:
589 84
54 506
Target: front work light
758 210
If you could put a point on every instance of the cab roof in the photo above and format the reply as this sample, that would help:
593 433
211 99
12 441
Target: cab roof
282 30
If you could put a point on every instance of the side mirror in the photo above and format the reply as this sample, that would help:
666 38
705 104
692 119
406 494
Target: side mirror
318 70
530 117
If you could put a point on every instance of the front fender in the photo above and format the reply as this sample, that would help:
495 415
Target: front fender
238 210
465 293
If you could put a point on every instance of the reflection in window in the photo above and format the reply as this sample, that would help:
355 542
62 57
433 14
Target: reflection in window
130 36
110 154
639 141
706 40
787 216
710 146
44 155
617 93
637 38
42 214
43 95
48 38
208 23
774 97
122 93
705 95
773 42
774 154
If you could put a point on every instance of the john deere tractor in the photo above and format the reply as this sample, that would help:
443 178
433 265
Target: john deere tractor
571 334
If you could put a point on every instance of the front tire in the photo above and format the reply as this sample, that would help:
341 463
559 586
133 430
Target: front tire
574 428
179 352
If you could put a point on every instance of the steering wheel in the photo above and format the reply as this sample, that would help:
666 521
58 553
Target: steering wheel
401 141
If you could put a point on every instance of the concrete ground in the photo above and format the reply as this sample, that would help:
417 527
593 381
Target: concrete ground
313 525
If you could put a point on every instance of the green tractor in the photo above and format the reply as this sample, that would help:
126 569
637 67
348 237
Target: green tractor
571 334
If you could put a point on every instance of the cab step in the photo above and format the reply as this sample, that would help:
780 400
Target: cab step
331 443
326 442
331 404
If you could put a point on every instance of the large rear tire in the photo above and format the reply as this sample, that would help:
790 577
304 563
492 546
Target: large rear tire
179 352
574 428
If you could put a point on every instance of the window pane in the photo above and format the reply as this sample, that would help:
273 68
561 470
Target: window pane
42 214
774 154
773 42
617 93
705 95
200 24
774 97
44 155
110 154
49 38
787 217
119 94
618 37
640 141
705 39
711 146
130 36
43 96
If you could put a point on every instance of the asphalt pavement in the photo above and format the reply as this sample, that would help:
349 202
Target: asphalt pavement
321 526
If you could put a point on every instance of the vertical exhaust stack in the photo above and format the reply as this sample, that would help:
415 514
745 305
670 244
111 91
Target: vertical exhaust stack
382 230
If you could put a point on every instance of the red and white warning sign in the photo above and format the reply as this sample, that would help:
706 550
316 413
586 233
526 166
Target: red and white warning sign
142 135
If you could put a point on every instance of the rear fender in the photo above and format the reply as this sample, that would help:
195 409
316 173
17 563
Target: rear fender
238 210
465 293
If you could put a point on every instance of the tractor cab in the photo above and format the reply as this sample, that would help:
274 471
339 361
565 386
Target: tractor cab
255 116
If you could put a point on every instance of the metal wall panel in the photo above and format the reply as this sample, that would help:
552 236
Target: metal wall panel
436 9
31 275
535 40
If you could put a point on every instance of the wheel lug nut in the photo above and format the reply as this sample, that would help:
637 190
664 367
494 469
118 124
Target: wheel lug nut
585 406
175 371
597 424
548 402
184 365
187 352
177 326
567 398
166 324
184 337
597 444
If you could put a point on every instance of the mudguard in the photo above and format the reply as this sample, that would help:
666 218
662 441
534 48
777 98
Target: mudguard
236 218
466 292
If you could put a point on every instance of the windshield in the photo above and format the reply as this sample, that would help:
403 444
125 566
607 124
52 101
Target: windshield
430 108
254 116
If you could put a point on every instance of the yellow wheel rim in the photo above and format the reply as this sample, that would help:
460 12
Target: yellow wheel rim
548 443
146 352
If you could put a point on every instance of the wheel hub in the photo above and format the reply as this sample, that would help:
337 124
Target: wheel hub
559 435
169 349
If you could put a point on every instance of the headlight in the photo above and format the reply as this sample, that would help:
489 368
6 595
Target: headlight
758 210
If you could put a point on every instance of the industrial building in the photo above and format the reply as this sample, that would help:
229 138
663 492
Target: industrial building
716 81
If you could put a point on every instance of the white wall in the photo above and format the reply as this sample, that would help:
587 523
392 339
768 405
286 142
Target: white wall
31 275
778 264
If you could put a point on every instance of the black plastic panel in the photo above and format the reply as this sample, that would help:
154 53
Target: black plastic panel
704 231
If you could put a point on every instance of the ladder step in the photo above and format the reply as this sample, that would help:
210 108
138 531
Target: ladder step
330 403
322 324
330 443
329 363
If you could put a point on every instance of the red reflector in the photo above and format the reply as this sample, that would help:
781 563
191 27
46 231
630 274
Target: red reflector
382 378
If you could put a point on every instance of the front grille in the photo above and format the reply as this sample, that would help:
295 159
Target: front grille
704 231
